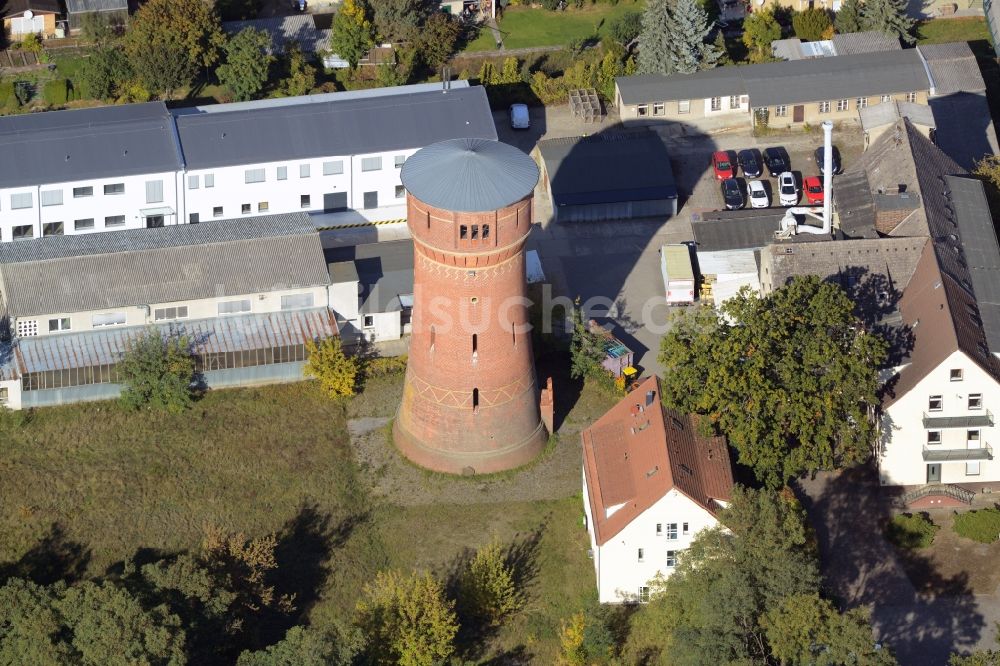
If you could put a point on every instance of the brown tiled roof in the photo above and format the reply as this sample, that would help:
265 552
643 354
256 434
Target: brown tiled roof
638 451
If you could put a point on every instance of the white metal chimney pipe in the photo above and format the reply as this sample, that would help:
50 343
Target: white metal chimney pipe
827 174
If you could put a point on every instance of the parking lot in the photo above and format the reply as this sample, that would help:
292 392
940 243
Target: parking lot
613 266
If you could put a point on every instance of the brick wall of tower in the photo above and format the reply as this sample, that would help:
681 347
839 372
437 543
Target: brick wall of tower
470 401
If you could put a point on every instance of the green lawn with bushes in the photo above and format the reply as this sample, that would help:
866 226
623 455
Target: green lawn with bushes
966 29
911 530
525 27
982 525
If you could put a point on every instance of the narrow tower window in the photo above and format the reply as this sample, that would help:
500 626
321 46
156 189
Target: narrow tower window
475 344
463 232
475 399
486 231
432 338
475 231
513 332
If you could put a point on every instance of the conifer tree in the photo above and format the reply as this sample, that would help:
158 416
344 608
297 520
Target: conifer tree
672 40
888 16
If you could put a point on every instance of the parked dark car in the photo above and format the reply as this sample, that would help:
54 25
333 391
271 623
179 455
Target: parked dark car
837 168
732 194
777 161
750 162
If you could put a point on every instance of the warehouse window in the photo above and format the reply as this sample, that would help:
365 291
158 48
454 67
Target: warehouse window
659 108
114 188
79 192
282 173
334 168
114 220
642 110
304 201
23 232
22 200
371 163
246 209
193 218
163 314
209 180
154 191
263 206
83 225
371 200
254 176
398 160
368 322
59 324
108 319
53 229
400 191
303 171
217 211
296 301
194 182
234 307
50 197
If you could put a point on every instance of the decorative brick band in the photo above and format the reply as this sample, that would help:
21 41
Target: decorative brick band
462 399
460 273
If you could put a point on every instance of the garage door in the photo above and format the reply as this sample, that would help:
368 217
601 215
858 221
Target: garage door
334 202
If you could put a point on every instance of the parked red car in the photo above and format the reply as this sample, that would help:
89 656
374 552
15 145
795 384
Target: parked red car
724 165
813 187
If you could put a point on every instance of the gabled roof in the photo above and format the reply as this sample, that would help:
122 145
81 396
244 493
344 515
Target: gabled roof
953 68
639 451
298 28
870 41
135 267
343 125
787 82
18 7
87 144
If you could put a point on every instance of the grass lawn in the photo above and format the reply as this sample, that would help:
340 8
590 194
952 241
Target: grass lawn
936 31
97 485
523 27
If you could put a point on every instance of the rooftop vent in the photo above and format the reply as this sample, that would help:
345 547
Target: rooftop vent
650 396
653 471
687 470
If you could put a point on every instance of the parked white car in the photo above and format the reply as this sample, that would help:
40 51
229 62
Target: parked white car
758 194
519 118
788 190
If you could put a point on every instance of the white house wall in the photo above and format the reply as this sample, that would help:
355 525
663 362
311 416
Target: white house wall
98 206
620 574
901 460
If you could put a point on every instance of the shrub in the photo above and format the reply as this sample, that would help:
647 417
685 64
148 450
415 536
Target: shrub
384 366
487 590
911 530
56 92
7 97
982 525
157 371
336 372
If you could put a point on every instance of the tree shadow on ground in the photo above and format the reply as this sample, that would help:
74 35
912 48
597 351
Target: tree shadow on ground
53 558
475 633
849 512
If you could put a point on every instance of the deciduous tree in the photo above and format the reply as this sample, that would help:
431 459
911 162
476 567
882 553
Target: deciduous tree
889 17
791 382
157 371
326 362
586 350
759 30
438 37
399 20
487 590
812 24
353 34
300 74
248 60
406 620
305 646
626 28
106 71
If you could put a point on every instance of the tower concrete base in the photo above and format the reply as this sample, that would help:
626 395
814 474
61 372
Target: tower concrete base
470 462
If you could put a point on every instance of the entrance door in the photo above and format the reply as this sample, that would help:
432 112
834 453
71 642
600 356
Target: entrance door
334 202
934 473
154 221
798 113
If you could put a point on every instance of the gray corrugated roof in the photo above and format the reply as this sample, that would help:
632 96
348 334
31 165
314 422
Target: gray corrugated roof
298 28
122 269
104 142
887 113
469 175
982 252
788 82
871 41
852 197
208 336
83 6
965 128
786 49
953 68
344 127
384 271
608 167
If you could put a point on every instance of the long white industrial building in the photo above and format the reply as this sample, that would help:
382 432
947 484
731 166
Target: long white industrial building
143 165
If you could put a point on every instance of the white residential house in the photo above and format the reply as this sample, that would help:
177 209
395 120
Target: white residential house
371 289
142 165
650 484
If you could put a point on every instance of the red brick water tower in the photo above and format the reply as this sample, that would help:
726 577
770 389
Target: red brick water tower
470 401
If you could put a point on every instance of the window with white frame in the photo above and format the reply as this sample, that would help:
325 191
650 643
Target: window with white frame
862 103
27 328
886 98
824 107
955 374
671 530
304 201
4 395
734 101
80 192
209 180
684 106
671 559
254 175
50 197
282 173
659 529
263 206
234 307
114 221
933 437
371 163
173 312
972 439
642 555
399 160
194 182
296 301
972 468
368 321
217 211
154 191
935 403
659 109
59 324
716 104
333 168
911 97
975 401
843 105
246 209
642 110
108 319
303 171
643 594
684 528
781 111
21 200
